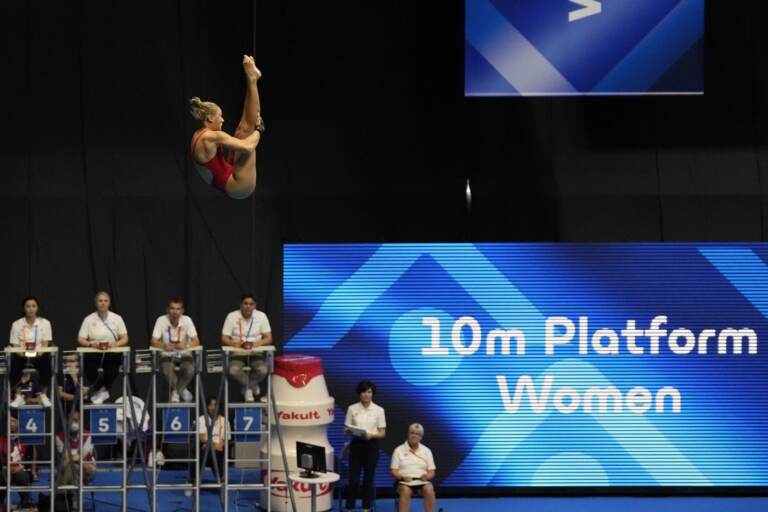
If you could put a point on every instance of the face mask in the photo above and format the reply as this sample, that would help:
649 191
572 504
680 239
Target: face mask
75 426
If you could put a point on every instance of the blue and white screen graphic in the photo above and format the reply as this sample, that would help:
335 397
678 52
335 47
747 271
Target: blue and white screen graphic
574 47
576 365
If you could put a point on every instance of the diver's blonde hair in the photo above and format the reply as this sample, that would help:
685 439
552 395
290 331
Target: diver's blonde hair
201 109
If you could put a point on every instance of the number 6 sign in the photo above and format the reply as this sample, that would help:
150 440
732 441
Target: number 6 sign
176 420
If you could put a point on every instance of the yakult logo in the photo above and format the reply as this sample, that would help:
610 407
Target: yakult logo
298 487
311 415
305 416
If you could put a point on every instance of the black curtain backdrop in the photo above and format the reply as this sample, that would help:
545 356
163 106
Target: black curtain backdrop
369 140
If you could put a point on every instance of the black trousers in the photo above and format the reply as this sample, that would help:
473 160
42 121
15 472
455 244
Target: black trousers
363 456
19 478
110 363
208 462
42 364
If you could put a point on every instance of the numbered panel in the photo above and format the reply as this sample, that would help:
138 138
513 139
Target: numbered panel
247 424
103 423
176 420
32 421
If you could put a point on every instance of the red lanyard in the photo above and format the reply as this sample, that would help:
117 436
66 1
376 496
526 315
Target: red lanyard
178 333
240 329
24 332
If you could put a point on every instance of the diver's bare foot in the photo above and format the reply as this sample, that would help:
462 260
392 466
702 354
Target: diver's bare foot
251 71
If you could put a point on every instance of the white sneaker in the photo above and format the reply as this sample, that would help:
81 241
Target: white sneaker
175 396
186 395
248 395
44 400
100 397
18 401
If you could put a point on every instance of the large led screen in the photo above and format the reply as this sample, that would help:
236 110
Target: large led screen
549 364
573 47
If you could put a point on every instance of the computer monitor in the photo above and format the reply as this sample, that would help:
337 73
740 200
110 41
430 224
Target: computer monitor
310 458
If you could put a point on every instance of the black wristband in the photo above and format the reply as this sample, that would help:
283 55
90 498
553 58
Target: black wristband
261 128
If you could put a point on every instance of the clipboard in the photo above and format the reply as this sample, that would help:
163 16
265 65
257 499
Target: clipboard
356 431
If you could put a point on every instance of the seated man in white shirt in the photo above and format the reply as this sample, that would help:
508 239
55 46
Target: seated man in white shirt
413 467
175 331
247 328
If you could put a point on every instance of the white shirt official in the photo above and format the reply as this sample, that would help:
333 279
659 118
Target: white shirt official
167 333
370 418
413 463
220 428
242 329
97 330
138 409
22 332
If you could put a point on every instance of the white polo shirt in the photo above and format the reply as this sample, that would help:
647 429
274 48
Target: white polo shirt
413 463
138 407
22 332
220 428
100 331
166 332
370 418
251 329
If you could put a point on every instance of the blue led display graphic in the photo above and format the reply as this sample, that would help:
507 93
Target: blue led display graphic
549 364
567 47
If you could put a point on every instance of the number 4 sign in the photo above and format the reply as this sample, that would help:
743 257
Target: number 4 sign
32 421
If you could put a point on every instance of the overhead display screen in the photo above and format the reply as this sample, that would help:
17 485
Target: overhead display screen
583 47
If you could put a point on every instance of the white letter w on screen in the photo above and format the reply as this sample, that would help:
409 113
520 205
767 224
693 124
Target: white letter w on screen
589 8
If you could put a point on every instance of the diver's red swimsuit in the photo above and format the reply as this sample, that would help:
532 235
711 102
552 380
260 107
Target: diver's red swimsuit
220 169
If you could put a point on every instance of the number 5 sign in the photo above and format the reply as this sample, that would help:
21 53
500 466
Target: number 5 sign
103 421
176 420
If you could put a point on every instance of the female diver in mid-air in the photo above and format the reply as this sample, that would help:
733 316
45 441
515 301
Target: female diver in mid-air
234 174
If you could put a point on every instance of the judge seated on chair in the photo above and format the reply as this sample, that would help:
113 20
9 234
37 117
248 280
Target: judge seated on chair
413 467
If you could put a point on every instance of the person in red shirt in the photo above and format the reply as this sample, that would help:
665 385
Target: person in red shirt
19 474
69 471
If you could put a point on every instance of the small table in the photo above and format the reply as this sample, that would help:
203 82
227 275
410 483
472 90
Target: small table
321 478
237 351
183 349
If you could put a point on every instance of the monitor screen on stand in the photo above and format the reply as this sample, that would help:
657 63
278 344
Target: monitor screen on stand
310 458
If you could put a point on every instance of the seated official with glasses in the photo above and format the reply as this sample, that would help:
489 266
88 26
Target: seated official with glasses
413 467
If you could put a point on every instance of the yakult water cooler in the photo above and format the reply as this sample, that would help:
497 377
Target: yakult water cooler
305 409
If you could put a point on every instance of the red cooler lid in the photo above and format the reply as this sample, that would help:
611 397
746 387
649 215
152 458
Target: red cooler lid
297 369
